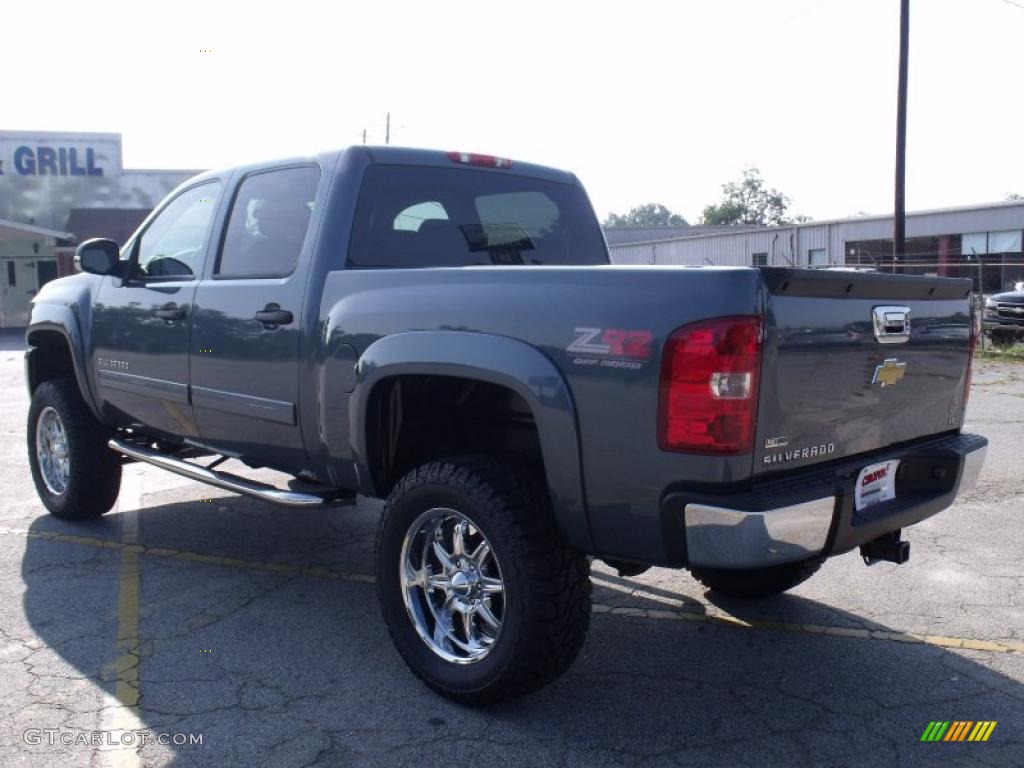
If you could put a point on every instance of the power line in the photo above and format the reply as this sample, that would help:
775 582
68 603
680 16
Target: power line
793 17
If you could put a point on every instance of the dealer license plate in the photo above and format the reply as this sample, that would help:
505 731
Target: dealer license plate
876 483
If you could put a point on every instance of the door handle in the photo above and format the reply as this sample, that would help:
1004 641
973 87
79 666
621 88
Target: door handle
170 311
272 314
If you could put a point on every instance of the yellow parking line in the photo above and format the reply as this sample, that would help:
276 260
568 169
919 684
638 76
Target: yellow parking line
193 557
126 715
128 613
709 614
713 615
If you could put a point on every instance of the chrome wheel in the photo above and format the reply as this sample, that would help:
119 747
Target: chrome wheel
452 586
52 451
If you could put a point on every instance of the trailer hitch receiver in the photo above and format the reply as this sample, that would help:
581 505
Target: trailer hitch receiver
887 547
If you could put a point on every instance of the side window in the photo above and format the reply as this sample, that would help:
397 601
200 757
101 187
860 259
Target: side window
172 245
268 223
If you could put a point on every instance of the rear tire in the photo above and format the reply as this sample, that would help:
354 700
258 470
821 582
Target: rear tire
1003 338
753 583
526 593
76 475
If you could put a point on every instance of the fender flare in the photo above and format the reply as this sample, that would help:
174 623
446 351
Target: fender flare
60 319
497 360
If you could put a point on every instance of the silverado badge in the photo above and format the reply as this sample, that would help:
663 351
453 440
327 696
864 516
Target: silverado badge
889 372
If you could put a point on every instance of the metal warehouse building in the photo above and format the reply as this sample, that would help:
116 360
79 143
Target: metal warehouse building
982 241
58 188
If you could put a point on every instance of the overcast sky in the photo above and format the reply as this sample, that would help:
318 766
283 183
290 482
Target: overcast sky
645 101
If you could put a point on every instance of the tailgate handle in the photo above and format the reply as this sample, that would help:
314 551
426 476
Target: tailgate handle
891 324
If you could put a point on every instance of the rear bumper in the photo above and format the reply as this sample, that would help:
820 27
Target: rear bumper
810 513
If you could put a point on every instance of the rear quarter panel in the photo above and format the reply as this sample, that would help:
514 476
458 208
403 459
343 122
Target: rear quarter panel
624 473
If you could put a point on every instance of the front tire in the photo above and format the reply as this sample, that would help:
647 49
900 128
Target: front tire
482 598
76 475
754 583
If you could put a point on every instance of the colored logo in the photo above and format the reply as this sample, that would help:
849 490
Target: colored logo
889 372
958 730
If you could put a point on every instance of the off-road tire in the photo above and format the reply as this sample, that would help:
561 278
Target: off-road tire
753 583
547 584
94 479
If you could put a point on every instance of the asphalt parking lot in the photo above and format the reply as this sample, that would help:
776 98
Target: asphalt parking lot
186 612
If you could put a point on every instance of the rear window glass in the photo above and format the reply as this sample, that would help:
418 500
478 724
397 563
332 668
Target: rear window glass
416 216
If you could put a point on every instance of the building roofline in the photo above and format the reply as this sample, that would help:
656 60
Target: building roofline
32 229
58 134
922 212
825 222
740 229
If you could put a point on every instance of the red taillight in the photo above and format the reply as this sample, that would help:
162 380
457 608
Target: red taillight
708 393
486 161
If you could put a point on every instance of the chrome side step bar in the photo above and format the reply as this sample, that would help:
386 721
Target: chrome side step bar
229 482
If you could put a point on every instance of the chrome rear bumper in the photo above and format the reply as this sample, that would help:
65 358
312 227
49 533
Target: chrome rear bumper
731 538
723 536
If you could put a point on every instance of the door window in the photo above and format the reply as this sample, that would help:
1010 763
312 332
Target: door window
172 245
46 270
268 223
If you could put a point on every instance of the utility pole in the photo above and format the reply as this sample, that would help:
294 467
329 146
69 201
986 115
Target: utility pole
364 135
899 240
387 129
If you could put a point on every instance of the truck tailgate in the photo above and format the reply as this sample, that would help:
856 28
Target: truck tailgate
836 383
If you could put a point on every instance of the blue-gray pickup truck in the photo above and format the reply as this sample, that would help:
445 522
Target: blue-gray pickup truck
444 330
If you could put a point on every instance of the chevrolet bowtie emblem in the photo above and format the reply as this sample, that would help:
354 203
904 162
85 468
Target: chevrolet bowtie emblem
889 372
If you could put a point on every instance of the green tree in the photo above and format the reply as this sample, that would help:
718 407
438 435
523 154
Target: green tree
1014 196
748 201
647 215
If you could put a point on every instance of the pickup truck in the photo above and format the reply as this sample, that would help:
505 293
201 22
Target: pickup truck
1003 320
444 331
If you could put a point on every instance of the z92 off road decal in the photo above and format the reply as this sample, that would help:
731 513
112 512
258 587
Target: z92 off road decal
611 348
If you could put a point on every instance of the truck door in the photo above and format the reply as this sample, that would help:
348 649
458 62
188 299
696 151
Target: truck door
246 324
141 322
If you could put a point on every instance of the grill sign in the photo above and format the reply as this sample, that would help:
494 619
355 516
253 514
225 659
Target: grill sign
55 161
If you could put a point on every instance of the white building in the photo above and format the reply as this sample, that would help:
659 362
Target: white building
58 188
980 241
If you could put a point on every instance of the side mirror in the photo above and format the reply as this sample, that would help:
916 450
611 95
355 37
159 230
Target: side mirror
98 256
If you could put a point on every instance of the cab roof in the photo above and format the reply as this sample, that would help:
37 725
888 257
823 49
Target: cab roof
389 155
